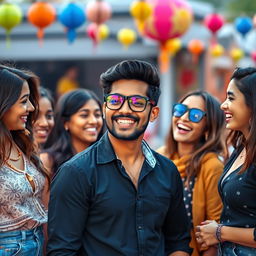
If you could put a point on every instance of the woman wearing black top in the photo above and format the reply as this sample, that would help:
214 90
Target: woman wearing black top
236 232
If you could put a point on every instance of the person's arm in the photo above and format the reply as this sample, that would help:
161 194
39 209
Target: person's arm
179 253
176 225
68 210
211 251
207 234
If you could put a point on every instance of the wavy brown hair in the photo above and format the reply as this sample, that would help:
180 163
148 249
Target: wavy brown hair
215 142
11 83
245 81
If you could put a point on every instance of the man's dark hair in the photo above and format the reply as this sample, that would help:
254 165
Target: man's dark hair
133 69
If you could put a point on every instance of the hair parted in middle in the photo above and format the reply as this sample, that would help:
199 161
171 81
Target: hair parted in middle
58 144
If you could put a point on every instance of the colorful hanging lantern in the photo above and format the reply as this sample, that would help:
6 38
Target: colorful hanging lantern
173 46
103 32
253 56
92 32
72 16
140 10
97 33
126 37
217 50
243 25
169 19
236 54
214 23
254 21
10 17
98 11
41 15
195 47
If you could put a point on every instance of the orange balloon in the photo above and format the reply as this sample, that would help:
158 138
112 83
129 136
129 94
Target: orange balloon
196 46
41 15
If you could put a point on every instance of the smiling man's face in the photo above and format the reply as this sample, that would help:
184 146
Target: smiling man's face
124 123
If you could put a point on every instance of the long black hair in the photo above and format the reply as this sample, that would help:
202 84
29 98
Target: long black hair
59 145
245 81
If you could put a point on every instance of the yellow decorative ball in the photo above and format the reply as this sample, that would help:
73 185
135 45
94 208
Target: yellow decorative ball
126 36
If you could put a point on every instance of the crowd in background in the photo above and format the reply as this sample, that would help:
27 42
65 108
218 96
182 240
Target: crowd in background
107 190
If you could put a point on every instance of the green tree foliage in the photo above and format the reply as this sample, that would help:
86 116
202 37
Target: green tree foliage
241 7
234 8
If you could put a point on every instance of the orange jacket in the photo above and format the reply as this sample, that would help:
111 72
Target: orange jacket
206 201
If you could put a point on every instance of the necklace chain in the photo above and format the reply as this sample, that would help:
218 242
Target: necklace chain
18 157
28 176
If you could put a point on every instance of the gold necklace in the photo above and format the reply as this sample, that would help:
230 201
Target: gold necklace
18 157
28 176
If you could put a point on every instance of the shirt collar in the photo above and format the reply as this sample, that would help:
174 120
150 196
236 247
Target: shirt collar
147 152
106 154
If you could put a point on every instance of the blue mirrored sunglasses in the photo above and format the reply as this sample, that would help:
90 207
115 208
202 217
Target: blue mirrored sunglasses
195 115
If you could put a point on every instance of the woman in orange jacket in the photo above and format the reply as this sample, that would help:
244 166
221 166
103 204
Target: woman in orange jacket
195 144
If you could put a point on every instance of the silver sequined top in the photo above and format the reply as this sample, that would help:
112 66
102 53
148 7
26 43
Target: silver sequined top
21 207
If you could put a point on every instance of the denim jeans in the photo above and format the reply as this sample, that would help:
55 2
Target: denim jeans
232 249
22 242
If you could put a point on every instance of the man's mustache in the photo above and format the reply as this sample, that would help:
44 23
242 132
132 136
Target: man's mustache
136 119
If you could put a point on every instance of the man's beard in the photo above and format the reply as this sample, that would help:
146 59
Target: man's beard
134 136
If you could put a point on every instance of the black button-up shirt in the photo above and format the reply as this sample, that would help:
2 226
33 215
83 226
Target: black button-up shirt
96 210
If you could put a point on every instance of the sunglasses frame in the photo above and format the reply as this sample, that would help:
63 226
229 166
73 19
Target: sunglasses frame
148 100
189 112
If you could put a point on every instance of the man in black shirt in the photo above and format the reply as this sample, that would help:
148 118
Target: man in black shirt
119 197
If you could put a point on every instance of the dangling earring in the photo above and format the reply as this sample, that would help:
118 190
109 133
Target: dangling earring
26 132
206 136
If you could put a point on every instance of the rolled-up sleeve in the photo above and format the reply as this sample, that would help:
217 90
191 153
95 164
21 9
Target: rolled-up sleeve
68 210
176 226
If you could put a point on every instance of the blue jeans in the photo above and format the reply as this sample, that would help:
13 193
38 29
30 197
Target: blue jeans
232 249
22 242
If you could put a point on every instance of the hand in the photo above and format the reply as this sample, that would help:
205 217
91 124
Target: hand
206 233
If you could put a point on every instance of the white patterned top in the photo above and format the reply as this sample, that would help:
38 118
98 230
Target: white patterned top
21 207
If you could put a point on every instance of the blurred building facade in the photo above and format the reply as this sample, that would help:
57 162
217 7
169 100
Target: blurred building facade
51 59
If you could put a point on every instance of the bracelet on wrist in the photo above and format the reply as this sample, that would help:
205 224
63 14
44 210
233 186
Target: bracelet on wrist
254 234
218 233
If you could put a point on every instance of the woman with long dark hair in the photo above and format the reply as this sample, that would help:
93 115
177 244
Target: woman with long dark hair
78 124
45 120
236 233
23 180
195 144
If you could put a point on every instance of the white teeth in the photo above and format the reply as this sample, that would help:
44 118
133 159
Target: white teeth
122 121
41 132
24 118
181 126
92 129
228 115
